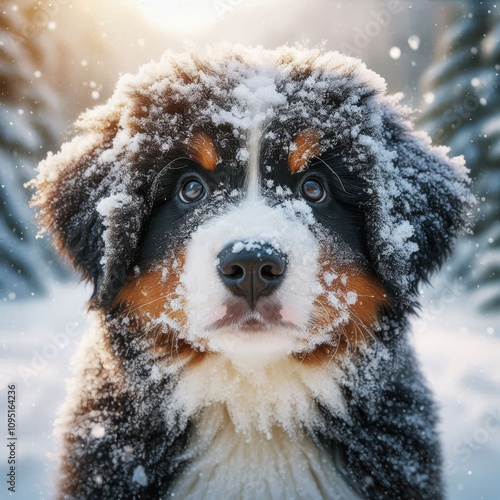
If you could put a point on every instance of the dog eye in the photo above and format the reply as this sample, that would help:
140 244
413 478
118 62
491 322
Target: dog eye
192 190
312 190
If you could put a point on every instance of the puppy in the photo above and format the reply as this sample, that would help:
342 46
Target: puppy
256 224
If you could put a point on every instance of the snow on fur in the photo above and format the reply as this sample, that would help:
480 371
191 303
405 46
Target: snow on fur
96 194
225 85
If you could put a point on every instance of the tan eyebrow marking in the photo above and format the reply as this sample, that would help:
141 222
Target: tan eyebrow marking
304 147
202 149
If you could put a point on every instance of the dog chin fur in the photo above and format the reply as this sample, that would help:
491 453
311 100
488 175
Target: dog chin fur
256 224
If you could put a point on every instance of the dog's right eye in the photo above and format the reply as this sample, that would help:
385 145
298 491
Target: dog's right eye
312 190
192 190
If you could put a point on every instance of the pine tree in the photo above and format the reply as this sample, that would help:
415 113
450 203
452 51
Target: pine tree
30 124
462 104
56 59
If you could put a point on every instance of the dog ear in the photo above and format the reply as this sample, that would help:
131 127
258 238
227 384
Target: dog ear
91 197
421 200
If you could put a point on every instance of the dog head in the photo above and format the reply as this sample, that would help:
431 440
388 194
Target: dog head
252 200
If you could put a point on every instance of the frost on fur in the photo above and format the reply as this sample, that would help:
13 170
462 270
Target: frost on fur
117 153
317 376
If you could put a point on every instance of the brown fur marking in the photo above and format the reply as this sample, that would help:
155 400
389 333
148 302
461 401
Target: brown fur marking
146 297
363 314
306 145
202 149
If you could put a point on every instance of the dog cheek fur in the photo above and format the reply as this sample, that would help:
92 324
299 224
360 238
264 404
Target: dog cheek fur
95 218
422 192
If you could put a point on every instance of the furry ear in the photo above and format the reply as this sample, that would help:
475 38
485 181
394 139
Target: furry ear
91 197
421 202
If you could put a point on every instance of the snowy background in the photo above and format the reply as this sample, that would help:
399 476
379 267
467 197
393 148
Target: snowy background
58 58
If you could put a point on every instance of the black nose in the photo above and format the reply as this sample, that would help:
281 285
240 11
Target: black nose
251 270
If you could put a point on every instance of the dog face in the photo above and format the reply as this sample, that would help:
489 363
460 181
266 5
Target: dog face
252 202
250 269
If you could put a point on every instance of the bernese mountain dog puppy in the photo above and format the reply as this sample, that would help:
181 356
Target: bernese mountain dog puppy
257 224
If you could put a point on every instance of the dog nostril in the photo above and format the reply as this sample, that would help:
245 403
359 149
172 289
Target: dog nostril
252 272
271 272
235 272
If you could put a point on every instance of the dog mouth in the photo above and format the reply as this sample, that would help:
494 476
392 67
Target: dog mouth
239 317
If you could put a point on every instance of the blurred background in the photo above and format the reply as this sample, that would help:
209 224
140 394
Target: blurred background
59 57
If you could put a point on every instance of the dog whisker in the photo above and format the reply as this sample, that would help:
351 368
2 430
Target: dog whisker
332 171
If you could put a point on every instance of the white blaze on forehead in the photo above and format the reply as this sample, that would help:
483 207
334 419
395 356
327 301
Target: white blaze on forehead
258 98
286 229
253 177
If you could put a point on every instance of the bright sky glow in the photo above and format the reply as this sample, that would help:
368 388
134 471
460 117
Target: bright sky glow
188 16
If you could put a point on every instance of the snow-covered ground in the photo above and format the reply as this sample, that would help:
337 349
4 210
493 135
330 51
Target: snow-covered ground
37 340
459 350
460 354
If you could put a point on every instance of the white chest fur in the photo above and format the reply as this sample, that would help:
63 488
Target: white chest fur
250 434
231 465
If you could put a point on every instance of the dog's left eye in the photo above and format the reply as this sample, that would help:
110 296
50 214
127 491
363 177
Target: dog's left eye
192 190
312 190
